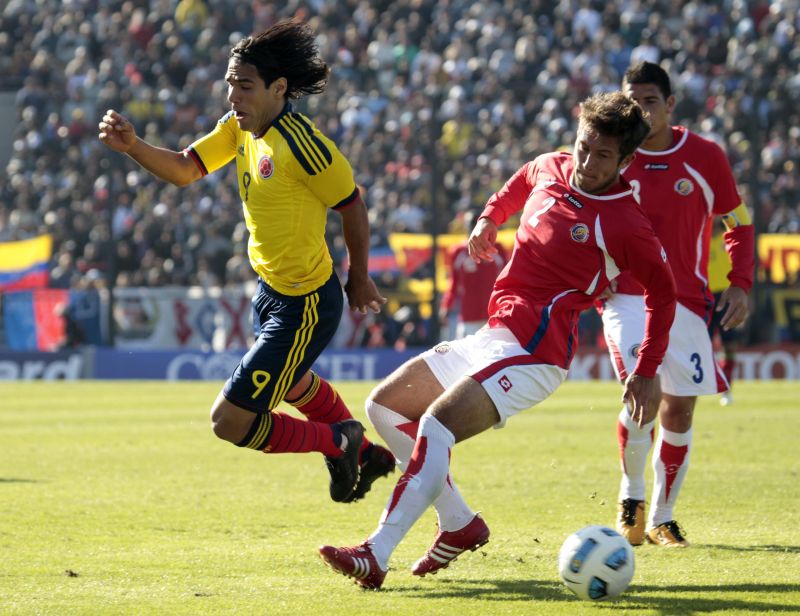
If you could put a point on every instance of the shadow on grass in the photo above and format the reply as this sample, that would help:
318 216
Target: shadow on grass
18 480
786 549
682 599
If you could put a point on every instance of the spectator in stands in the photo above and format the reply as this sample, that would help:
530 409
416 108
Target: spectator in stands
452 65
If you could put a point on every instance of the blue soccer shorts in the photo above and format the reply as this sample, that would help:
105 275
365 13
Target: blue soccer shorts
291 332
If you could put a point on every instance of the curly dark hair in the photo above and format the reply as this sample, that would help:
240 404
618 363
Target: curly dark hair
287 49
615 115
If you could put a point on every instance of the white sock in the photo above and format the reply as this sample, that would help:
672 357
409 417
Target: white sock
451 509
670 463
416 489
634 445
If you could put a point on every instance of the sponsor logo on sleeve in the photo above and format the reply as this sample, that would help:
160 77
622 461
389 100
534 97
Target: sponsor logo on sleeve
505 383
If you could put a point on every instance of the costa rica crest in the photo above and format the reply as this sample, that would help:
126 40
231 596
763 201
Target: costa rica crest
265 167
684 187
579 233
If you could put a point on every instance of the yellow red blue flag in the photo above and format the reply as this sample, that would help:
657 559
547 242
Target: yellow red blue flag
25 264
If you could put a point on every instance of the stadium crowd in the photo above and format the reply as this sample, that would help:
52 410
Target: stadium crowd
466 90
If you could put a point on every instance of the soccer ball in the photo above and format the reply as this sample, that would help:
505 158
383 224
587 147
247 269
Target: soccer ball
596 563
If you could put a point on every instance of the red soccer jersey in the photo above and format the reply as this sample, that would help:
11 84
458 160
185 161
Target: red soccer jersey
471 283
568 246
681 189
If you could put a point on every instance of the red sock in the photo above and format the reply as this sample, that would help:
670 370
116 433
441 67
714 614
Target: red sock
410 429
672 457
289 434
320 403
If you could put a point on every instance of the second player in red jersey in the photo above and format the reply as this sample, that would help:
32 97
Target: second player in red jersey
681 189
682 182
471 285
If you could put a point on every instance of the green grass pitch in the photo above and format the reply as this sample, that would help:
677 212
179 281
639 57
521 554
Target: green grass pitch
116 498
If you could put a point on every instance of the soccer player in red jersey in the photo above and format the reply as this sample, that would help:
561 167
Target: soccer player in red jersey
681 181
289 176
471 285
579 228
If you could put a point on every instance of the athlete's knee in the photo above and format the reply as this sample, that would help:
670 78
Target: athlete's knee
222 428
376 411
229 422
395 390
375 396
676 412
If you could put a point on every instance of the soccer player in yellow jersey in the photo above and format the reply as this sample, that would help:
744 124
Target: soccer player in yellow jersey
719 266
289 176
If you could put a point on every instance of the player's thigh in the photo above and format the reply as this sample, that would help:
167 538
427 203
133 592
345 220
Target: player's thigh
466 409
293 331
494 359
412 388
689 367
409 390
623 329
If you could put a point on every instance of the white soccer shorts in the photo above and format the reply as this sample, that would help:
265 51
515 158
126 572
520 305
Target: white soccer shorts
689 367
495 359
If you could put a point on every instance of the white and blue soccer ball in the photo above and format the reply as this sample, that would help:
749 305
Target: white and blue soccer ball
596 563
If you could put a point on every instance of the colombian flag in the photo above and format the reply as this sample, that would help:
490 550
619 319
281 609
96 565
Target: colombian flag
24 265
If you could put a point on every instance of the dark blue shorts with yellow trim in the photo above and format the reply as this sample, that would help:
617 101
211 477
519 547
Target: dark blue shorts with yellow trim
291 332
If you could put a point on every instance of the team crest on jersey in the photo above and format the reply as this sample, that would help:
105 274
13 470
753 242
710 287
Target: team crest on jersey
634 350
265 167
579 233
505 383
441 349
684 187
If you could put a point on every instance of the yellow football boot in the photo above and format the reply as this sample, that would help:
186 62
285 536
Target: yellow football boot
630 520
668 534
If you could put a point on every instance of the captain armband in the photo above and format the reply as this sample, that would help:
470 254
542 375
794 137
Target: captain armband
737 217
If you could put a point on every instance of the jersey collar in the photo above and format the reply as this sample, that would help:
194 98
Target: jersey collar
677 131
625 190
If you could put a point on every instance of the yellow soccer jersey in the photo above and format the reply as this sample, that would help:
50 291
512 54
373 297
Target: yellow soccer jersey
288 178
719 264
